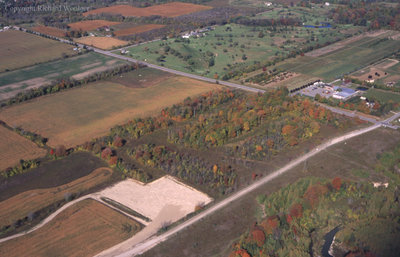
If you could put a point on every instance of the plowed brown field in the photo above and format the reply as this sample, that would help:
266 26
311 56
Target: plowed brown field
137 29
91 24
52 31
19 206
84 229
105 43
173 9
14 147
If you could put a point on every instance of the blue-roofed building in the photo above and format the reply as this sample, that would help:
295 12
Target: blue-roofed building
344 93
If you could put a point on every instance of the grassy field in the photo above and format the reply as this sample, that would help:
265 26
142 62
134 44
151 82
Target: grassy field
21 205
383 96
105 43
172 9
351 57
19 49
76 67
14 147
60 118
137 29
216 233
84 229
230 46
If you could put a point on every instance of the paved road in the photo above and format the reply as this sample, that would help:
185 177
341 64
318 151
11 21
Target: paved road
153 241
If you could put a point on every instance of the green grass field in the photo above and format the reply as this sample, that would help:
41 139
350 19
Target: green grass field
383 96
350 58
230 46
35 76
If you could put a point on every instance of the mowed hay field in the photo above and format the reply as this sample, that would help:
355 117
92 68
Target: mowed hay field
91 24
137 29
14 147
81 114
172 9
105 43
52 31
84 229
19 206
19 49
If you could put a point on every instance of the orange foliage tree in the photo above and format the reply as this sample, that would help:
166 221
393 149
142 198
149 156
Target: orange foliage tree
258 236
337 183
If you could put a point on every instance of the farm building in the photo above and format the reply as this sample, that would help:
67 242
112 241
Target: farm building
344 93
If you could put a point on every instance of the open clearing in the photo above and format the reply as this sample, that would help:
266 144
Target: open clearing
13 82
165 201
60 118
21 205
150 199
105 43
14 147
91 24
226 48
19 49
173 9
137 29
83 229
52 31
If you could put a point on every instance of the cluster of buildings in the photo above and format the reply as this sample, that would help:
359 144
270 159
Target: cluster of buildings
327 90
197 33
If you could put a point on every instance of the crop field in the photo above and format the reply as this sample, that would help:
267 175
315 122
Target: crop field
19 49
84 229
14 147
91 24
60 118
383 96
21 205
52 31
51 174
352 57
137 29
172 9
105 43
229 46
77 67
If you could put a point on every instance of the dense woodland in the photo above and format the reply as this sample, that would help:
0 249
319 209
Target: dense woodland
296 218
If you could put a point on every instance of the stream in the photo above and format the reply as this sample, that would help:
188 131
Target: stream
328 241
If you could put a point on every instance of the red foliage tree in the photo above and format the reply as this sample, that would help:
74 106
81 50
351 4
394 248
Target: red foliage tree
258 236
314 192
337 183
106 153
289 218
118 142
113 160
296 210
270 224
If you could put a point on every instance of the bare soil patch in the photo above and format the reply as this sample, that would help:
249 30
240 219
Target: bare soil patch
172 9
137 29
14 147
83 229
105 43
91 24
52 31
19 49
81 114
21 205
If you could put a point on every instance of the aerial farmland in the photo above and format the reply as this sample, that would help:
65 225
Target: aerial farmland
199 128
